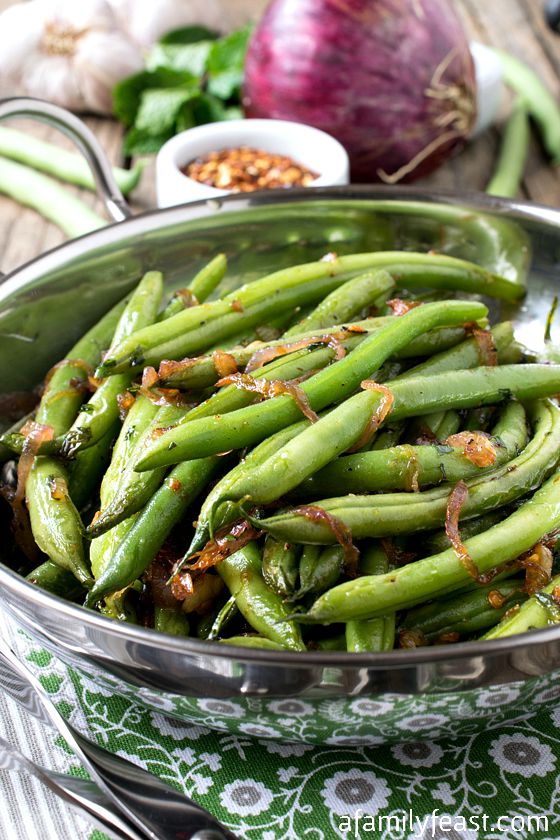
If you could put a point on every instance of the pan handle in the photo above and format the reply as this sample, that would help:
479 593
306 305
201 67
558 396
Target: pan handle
82 137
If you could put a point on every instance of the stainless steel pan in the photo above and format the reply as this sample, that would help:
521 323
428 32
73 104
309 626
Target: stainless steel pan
314 697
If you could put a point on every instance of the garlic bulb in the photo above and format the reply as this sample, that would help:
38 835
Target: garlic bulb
71 52
147 20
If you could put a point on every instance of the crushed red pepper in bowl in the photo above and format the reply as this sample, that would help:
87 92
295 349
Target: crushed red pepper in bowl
245 169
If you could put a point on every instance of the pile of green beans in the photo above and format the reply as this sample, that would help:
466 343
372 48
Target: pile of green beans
364 480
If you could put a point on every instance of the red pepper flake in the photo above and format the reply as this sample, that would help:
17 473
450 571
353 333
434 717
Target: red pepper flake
58 488
149 377
224 363
227 541
174 485
188 298
477 447
457 499
538 568
401 307
330 257
237 306
411 639
555 594
379 414
268 389
245 169
341 533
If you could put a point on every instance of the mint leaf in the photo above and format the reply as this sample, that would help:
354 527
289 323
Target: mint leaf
226 63
207 109
127 94
138 142
159 108
189 35
188 57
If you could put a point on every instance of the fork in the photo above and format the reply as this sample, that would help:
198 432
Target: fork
159 811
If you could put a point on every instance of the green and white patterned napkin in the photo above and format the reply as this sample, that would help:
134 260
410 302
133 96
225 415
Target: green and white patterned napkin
502 784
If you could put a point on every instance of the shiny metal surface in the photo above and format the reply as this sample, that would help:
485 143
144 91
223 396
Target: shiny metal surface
156 809
315 697
82 137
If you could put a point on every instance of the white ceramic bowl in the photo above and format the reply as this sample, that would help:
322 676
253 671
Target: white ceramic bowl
308 146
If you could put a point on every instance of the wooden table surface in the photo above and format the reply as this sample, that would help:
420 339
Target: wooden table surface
515 25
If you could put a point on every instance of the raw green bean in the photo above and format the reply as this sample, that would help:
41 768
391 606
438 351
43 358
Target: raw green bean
389 514
102 410
536 97
197 328
513 154
148 529
374 634
347 301
247 426
402 467
68 166
368 597
56 580
259 605
48 198
541 610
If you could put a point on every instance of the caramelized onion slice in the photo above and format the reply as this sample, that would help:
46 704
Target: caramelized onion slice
224 363
379 414
268 389
340 531
457 499
487 350
478 447
538 568
399 306
226 542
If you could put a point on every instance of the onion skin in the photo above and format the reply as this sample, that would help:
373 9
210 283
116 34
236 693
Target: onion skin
392 80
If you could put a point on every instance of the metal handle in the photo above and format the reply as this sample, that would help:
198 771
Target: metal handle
82 137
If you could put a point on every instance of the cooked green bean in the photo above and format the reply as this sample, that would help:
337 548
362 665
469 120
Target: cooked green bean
373 634
371 596
541 610
389 514
280 567
249 425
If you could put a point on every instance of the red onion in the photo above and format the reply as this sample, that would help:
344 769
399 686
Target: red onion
393 80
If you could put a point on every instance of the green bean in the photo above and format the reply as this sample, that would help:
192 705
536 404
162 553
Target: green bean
48 198
513 154
536 97
374 634
102 410
57 581
258 642
12 433
224 615
404 466
67 166
388 514
208 278
541 610
259 605
102 551
197 328
133 490
55 522
171 620
319 569
371 596
439 541
249 425
143 534
215 511
280 566
86 469
347 301
307 452
447 615
334 643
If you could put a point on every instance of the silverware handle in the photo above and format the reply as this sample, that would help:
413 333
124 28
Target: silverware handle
82 137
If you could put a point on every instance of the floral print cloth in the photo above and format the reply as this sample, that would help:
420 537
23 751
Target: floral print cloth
500 784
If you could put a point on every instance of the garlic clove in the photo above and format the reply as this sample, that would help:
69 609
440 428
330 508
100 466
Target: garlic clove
146 22
20 35
101 61
53 78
